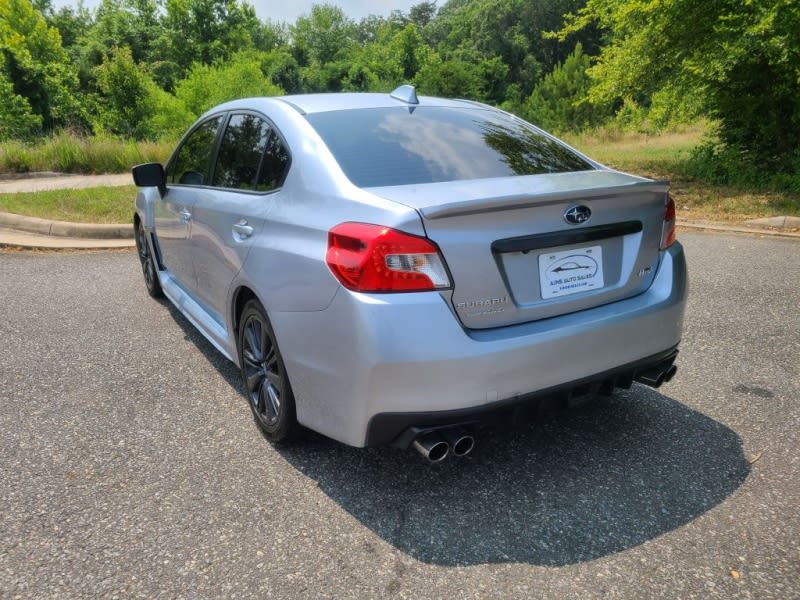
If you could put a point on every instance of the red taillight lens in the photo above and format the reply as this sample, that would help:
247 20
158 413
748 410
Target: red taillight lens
372 258
668 233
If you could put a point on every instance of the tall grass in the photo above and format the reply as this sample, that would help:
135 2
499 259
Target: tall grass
67 152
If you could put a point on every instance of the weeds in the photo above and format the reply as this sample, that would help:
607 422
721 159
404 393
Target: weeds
70 153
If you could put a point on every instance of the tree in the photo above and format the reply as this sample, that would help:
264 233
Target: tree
736 62
452 79
511 30
324 35
43 80
559 102
238 77
17 120
423 13
127 95
205 31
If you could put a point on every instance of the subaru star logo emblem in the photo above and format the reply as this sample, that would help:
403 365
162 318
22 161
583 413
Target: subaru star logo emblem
576 215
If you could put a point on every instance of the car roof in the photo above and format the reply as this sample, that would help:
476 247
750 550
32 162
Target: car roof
316 103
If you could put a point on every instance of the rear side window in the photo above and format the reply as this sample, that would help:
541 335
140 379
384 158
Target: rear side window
192 164
401 146
275 165
251 155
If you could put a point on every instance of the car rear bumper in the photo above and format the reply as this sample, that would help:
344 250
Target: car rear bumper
386 362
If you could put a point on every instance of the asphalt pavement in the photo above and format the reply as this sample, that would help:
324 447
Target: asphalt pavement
130 466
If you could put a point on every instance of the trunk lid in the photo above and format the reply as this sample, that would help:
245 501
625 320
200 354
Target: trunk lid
514 253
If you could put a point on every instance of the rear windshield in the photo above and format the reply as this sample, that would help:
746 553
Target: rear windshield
399 146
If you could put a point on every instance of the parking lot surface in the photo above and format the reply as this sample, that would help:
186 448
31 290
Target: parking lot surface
130 466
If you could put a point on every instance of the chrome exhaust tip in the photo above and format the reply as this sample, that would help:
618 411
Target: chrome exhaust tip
461 442
432 446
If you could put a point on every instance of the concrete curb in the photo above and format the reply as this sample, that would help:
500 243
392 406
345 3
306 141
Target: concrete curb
30 175
737 229
15 239
64 229
779 222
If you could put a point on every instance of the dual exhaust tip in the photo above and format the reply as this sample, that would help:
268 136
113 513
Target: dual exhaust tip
437 445
657 376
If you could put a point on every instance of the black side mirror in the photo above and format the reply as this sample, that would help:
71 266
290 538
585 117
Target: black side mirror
150 175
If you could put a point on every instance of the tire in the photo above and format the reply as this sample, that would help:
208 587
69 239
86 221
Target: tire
264 375
149 269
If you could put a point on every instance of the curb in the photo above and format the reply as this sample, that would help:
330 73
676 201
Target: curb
31 175
779 222
737 229
93 231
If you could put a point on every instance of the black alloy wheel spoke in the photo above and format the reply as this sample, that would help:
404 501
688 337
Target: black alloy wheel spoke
262 376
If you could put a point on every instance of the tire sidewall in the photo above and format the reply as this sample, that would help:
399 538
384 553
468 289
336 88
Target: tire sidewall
285 428
153 287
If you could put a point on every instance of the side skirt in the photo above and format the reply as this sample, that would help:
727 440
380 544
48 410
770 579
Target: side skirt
198 317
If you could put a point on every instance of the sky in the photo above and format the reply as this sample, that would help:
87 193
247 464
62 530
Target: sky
289 10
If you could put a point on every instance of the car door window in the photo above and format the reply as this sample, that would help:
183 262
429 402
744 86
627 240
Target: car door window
240 152
192 163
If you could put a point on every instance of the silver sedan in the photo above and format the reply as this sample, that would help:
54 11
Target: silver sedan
394 269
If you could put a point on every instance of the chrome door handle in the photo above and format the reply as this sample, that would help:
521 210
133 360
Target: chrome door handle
243 229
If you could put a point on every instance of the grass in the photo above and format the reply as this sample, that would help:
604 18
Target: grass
666 156
70 153
89 205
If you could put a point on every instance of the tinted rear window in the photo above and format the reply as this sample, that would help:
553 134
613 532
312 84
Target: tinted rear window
400 146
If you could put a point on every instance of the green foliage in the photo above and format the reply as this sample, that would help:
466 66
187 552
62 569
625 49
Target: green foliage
323 36
33 61
238 77
559 102
71 153
510 30
452 78
127 95
208 31
726 165
17 120
282 69
129 23
732 61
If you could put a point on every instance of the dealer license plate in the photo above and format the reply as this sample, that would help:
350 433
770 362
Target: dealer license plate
570 271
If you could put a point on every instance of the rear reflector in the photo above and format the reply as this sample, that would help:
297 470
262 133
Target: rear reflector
372 258
668 233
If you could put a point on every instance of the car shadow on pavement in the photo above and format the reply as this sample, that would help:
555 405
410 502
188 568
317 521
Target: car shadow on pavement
549 489
556 490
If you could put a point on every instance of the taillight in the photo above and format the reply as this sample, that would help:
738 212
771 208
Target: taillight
668 232
372 258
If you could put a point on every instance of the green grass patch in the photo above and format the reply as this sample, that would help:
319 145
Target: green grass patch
70 153
89 205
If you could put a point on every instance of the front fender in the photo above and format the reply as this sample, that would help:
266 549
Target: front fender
145 201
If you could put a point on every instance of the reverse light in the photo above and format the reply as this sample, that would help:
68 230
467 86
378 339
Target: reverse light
668 230
373 258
